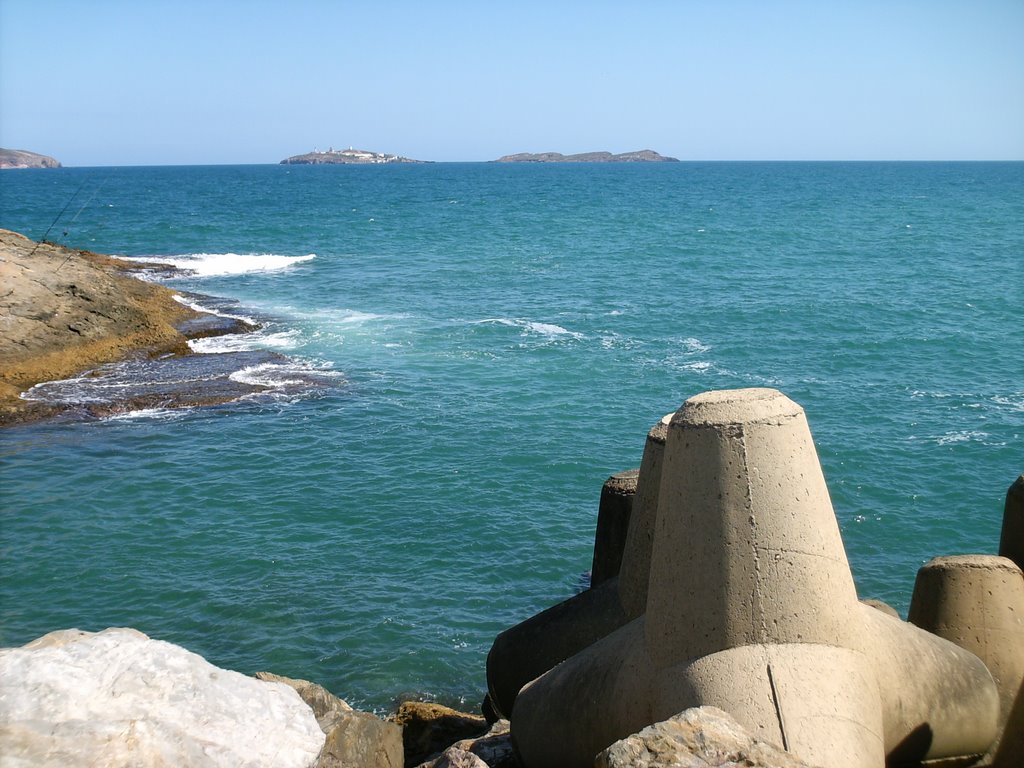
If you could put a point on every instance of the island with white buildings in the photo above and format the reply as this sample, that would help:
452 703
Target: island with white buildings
348 156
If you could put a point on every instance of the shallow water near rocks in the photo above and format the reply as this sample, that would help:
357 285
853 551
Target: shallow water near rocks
486 344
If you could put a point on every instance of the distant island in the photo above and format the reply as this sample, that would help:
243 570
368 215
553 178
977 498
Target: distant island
640 156
346 157
20 158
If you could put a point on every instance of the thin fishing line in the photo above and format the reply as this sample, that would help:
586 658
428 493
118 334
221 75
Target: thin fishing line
62 212
86 203
91 197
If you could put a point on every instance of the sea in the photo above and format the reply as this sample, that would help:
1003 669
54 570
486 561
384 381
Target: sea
463 354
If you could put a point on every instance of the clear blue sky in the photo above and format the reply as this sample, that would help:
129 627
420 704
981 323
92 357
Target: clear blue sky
105 82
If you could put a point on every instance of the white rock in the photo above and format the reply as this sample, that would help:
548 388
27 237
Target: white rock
118 698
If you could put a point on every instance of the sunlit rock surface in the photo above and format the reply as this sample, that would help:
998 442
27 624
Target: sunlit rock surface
116 697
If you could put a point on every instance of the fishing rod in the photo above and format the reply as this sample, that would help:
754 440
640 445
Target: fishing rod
75 217
62 212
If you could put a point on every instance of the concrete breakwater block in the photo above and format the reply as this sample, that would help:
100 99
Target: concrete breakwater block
751 607
977 602
529 649
116 697
1011 539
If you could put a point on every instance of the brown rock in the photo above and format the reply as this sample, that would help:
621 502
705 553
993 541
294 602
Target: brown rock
327 707
361 740
428 728
696 738
63 311
354 739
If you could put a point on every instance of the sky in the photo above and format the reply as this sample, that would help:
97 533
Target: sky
149 82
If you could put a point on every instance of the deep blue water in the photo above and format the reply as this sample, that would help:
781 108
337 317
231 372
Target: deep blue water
500 338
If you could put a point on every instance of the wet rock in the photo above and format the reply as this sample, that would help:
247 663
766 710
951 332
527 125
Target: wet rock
429 728
696 738
117 697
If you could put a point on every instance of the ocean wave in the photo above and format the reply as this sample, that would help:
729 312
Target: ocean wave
531 327
965 436
157 414
287 375
353 316
195 306
221 264
695 346
244 342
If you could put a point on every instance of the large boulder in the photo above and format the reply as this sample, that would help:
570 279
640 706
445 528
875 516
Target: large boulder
696 738
117 697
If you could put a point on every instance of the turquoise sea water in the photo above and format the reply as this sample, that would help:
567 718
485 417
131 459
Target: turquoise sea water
497 340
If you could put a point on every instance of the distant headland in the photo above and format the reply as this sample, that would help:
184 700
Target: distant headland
640 156
348 156
20 158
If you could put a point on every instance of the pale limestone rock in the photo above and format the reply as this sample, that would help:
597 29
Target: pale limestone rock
119 698
701 737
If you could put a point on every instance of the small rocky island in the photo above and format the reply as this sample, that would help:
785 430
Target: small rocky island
640 156
348 156
20 158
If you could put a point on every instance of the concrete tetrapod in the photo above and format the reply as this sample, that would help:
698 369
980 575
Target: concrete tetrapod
977 602
1011 539
531 648
613 515
751 607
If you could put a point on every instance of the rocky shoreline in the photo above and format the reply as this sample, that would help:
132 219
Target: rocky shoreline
22 158
65 311
638 156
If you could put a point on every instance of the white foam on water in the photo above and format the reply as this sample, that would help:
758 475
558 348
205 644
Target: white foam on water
962 436
695 345
294 373
550 329
197 307
341 316
246 342
220 264
529 327
160 414
700 366
1014 402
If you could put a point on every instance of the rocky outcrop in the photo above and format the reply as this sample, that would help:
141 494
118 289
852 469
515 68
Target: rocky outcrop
117 697
696 738
64 311
20 158
640 156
